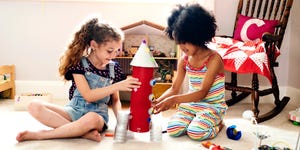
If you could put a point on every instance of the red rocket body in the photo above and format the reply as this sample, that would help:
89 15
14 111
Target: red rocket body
139 101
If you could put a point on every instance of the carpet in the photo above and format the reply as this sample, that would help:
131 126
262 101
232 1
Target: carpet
280 131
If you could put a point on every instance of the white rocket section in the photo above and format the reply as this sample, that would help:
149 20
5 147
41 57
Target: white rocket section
143 57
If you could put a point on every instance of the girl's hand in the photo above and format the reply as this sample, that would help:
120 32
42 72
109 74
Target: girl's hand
156 101
163 105
129 84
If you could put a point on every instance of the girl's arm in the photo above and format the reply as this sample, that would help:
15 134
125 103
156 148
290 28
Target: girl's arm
91 95
116 103
176 85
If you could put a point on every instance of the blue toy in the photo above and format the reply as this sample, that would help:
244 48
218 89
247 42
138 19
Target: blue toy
232 133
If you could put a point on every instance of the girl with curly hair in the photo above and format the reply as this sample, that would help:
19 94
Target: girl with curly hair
96 80
201 110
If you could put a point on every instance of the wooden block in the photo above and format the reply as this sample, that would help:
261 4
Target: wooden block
159 88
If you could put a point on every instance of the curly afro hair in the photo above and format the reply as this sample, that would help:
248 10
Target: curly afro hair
191 24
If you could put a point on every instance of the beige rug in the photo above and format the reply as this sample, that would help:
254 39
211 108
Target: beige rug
281 131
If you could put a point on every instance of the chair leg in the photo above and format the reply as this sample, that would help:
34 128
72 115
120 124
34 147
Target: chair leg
255 94
275 87
279 104
232 86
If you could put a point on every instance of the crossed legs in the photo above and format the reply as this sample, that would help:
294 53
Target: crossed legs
88 126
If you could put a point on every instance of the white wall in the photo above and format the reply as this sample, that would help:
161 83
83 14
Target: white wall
225 11
35 33
294 52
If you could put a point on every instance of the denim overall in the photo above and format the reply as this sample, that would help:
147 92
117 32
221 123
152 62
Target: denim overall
78 107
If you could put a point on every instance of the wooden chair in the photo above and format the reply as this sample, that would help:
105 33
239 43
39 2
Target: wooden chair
267 10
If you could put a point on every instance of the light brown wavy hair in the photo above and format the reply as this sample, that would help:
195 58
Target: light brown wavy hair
92 30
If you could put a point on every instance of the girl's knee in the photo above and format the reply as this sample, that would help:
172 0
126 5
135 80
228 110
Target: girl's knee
34 106
178 123
176 132
91 117
92 120
200 134
176 128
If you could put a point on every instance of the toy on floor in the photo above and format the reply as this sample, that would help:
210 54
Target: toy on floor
156 128
121 127
212 146
266 147
109 134
233 133
143 65
248 114
261 135
275 146
294 116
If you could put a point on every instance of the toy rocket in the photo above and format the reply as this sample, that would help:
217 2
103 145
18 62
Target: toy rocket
143 65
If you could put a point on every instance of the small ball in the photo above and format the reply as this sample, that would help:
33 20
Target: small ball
248 114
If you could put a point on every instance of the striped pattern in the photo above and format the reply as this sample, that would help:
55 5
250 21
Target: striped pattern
179 123
216 93
200 120
206 123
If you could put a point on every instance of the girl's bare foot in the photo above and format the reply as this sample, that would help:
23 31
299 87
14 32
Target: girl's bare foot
27 135
221 125
93 135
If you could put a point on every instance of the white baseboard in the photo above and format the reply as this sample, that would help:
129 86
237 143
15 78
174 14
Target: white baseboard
59 89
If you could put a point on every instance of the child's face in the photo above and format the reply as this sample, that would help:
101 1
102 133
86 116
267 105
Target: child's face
188 48
107 51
